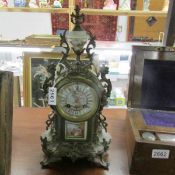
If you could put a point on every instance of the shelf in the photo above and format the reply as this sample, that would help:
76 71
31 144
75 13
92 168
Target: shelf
87 11
38 10
141 13
118 77
115 107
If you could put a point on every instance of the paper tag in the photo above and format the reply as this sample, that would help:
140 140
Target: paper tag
52 96
160 154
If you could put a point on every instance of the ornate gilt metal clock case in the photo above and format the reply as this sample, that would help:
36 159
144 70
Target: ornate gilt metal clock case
76 127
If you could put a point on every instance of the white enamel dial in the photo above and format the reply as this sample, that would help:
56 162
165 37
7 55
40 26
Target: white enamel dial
77 101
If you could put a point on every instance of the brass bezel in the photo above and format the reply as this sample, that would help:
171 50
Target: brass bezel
78 78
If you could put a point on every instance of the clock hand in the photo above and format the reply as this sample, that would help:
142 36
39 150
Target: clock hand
68 105
85 106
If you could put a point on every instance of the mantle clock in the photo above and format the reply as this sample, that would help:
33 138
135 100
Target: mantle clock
76 128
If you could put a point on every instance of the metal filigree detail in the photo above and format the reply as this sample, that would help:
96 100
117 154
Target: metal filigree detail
106 82
102 121
78 63
91 45
50 119
64 44
55 150
77 18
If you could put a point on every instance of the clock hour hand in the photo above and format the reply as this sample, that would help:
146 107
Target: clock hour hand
68 105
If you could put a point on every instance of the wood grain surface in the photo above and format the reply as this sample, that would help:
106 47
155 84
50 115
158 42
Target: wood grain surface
28 125
6 112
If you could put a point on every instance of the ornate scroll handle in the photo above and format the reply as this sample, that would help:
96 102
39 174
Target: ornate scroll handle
90 46
64 44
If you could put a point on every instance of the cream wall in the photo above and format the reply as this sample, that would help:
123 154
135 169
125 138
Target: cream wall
18 25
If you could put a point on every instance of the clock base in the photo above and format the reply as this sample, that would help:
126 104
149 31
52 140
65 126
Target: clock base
94 152
65 162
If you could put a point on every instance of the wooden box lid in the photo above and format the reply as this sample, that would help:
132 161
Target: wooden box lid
152 78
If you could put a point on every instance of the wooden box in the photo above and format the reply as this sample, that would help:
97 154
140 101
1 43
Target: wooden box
151 111
6 112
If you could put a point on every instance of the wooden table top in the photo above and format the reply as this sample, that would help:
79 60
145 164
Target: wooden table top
29 124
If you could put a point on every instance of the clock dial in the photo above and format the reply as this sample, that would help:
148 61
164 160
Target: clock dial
77 101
